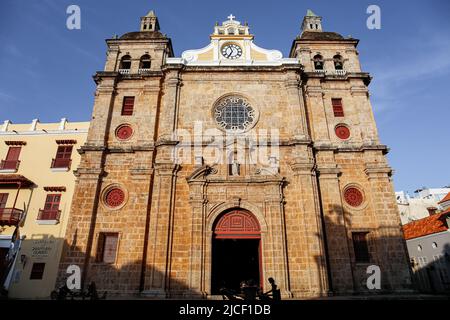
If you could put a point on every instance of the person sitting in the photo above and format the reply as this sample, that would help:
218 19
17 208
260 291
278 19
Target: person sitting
273 293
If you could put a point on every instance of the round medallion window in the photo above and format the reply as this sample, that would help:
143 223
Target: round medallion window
124 132
234 114
114 197
342 132
353 197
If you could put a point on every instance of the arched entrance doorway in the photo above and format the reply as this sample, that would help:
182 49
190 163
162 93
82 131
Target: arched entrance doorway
236 250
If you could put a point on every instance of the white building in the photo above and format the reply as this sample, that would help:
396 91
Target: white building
425 202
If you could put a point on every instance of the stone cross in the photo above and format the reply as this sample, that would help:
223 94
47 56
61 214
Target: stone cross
231 17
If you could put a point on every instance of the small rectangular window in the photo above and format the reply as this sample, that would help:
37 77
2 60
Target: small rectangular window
107 247
360 246
128 106
338 109
37 271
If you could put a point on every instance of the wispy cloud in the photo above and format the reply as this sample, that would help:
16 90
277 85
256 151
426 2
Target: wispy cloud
5 97
414 63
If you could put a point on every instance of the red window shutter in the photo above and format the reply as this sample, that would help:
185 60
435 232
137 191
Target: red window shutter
3 199
52 202
13 153
338 109
128 106
64 152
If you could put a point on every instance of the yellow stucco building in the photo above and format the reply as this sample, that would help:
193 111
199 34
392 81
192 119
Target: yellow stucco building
36 187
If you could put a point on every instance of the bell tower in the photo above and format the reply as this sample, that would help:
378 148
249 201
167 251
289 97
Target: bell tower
150 22
311 22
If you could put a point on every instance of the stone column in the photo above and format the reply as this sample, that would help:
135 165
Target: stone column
169 108
275 256
83 212
390 245
159 251
335 227
101 115
296 117
197 253
308 242
316 112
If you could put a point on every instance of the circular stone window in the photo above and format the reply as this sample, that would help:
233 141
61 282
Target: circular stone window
124 132
114 197
353 196
235 114
342 132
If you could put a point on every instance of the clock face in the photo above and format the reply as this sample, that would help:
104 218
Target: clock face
231 51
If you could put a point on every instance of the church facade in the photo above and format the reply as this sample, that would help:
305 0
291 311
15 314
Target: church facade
232 163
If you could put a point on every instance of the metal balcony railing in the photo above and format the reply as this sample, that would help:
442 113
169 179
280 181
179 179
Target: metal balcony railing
49 214
10 216
9 164
61 163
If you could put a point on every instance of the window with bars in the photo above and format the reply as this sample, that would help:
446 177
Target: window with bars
338 108
63 157
107 247
37 271
360 246
128 106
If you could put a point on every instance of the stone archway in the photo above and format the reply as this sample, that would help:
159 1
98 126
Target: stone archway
236 250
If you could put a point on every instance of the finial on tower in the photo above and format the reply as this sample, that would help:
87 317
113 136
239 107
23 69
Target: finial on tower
311 22
150 22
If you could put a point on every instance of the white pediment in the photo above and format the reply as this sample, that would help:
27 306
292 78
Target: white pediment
231 33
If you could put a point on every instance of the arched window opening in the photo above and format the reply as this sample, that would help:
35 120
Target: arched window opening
231 31
318 62
125 63
338 62
145 62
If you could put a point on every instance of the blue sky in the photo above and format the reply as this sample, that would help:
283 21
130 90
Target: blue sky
46 69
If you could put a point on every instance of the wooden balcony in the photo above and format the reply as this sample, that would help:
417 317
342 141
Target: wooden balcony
10 216
49 215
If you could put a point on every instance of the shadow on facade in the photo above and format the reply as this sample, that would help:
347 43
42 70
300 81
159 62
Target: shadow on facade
386 248
124 280
29 282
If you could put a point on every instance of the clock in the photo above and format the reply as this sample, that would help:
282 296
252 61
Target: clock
231 51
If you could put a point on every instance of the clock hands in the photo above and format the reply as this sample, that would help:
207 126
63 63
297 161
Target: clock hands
232 51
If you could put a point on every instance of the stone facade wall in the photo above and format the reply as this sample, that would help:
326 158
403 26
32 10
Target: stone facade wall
166 225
